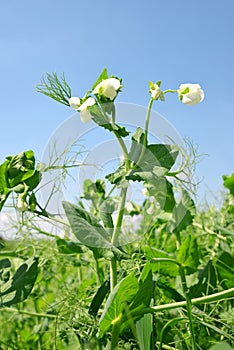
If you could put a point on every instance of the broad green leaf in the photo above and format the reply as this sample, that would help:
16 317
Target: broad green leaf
88 230
144 294
34 180
182 214
99 297
207 281
105 122
169 291
225 268
157 161
188 255
122 295
162 190
167 268
228 182
144 329
221 346
20 167
105 214
17 288
68 247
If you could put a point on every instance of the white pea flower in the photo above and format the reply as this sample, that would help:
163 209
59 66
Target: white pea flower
190 94
21 204
85 114
74 102
156 92
108 88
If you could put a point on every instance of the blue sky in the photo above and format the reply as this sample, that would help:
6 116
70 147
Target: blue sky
172 41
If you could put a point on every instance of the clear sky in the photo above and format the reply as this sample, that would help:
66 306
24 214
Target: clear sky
172 41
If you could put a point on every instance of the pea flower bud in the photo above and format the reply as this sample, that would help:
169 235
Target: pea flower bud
85 114
155 91
108 88
191 94
74 102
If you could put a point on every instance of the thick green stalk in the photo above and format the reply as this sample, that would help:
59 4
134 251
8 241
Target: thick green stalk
115 236
188 306
115 335
225 294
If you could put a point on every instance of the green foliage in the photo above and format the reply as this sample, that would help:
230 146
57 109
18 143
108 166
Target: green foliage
170 289
100 118
228 182
89 232
188 254
18 174
122 295
17 288
148 162
221 346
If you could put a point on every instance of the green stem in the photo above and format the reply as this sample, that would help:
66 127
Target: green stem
169 90
119 220
188 306
124 150
115 335
113 273
115 236
145 141
35 314
113 113
147 121
229 293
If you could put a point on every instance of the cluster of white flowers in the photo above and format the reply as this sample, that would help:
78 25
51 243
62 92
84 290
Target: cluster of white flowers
189 94
107 88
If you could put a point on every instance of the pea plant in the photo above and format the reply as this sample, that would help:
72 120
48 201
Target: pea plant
161 289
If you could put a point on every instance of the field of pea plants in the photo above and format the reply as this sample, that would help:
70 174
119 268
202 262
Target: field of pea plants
113 272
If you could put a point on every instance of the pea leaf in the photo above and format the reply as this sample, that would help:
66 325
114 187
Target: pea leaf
68 247
207 281
167 268
17 288
224 266
143 296
228 182
162 190
123 293
20 167
88 230
156 161
188 255
105 122
221 346
182 214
